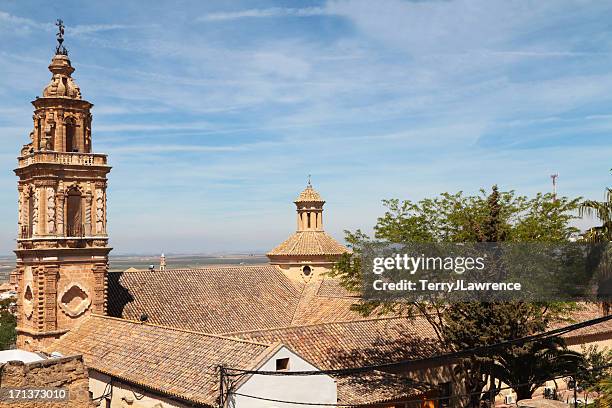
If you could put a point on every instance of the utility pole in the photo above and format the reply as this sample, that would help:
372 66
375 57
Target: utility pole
554 178
221 388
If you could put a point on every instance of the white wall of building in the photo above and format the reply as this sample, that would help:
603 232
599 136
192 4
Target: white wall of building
319 389
125 396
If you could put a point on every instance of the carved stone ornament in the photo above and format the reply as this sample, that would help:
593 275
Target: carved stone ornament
99 211
74 300
35 212
50 210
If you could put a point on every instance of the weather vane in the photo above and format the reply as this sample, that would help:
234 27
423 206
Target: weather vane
60 49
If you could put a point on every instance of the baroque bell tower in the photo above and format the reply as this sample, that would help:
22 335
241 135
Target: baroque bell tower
62 244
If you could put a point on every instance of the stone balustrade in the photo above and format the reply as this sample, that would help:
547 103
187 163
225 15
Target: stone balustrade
82 159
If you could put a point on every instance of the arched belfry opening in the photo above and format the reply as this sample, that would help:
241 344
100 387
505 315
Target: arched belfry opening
74 213
72 144
309 210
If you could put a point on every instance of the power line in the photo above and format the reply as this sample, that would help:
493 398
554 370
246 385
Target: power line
435 361
455 396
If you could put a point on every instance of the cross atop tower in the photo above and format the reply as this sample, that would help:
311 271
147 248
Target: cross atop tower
60 49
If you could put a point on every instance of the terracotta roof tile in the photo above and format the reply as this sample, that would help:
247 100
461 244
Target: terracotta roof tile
586 311
309 195
314 308
211 300
174 362
376 387
333 288
226 299
353 343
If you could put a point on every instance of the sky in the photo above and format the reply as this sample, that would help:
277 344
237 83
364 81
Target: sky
213 114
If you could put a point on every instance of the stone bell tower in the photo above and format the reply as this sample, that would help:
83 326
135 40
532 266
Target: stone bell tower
62 244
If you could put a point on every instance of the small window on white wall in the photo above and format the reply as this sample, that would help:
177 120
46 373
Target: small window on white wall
282 364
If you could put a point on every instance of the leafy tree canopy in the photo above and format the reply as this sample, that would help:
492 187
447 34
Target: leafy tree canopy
494 217
8 323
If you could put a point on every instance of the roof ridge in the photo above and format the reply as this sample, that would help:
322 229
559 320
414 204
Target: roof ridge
204 268
316 324
180 330
297 304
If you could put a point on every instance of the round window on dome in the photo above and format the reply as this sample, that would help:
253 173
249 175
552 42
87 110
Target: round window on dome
306 270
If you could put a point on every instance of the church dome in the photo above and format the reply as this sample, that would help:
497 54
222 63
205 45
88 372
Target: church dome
62 84
309 195
308 243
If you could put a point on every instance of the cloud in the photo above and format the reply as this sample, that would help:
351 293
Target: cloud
156 127
400 99
22 23
166 148
264 13
94 28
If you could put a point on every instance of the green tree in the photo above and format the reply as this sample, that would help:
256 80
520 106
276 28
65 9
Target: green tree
591 377
602 233
498 216
605 385
529 366
603 211
8 334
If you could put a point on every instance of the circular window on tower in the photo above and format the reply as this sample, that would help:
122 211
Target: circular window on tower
306 270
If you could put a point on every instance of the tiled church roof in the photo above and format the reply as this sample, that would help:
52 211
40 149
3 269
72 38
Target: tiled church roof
183 364
304 243
317 306
261 304
353 343
226 299
179 363
211 300
333 288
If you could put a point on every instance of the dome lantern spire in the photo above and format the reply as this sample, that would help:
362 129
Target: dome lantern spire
309 251
310 209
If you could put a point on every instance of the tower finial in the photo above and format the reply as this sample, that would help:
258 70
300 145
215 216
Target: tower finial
309 183
60 49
